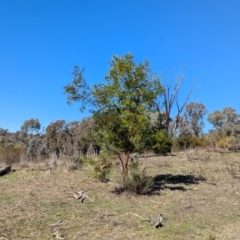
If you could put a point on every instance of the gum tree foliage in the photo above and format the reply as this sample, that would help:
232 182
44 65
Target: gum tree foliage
57 137
4 139
32 149
225 122
31 126
191 126
81 134
193 118
121 106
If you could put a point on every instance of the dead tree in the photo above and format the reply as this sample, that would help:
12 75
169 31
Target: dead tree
169 99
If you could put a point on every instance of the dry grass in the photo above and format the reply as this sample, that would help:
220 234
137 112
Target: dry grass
199 198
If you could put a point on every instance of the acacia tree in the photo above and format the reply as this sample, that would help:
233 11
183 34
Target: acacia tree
121 107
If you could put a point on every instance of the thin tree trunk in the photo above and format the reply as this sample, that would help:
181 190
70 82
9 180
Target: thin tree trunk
126 162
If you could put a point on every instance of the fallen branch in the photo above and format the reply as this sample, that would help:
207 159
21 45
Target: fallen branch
107 215
212 183
58 235
56 224
81 196
155 202
5 170
141 217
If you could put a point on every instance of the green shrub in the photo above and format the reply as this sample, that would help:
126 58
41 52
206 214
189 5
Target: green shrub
188 141
222 143
231 140
98 169
136 181
211 237
162 144
10 154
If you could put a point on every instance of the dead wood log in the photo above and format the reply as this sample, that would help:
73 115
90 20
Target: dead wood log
141 217
81 196
159 222
58 235
5 170
106 215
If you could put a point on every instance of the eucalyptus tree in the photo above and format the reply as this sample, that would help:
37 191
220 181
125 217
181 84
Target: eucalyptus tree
193 116
81 134
31 126
57 136
226 122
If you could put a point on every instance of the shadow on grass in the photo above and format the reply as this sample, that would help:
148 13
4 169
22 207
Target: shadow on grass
160 181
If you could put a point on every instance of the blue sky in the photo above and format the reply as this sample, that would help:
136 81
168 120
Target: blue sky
41 42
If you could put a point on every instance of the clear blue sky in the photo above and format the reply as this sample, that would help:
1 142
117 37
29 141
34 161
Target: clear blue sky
41 42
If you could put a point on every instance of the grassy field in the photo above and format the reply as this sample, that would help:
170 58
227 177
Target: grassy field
199 196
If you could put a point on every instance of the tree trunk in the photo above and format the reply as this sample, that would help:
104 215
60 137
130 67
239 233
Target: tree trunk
126 162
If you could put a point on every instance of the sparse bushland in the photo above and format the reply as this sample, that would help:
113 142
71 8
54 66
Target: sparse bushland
198 190
193 208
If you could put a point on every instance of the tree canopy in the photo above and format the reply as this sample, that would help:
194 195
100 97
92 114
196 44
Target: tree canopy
31 125
226 122
121 107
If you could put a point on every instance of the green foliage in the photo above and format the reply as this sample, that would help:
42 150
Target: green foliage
136 181
226 122
57 136
32 148
121 107
11 154
101 174
193 116
222 143
43 151
81 134
231 140
31 125
98 168
78 90
211 237
122 117
162 143
188 141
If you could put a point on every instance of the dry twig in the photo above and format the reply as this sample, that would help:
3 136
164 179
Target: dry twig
56 224
141 217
